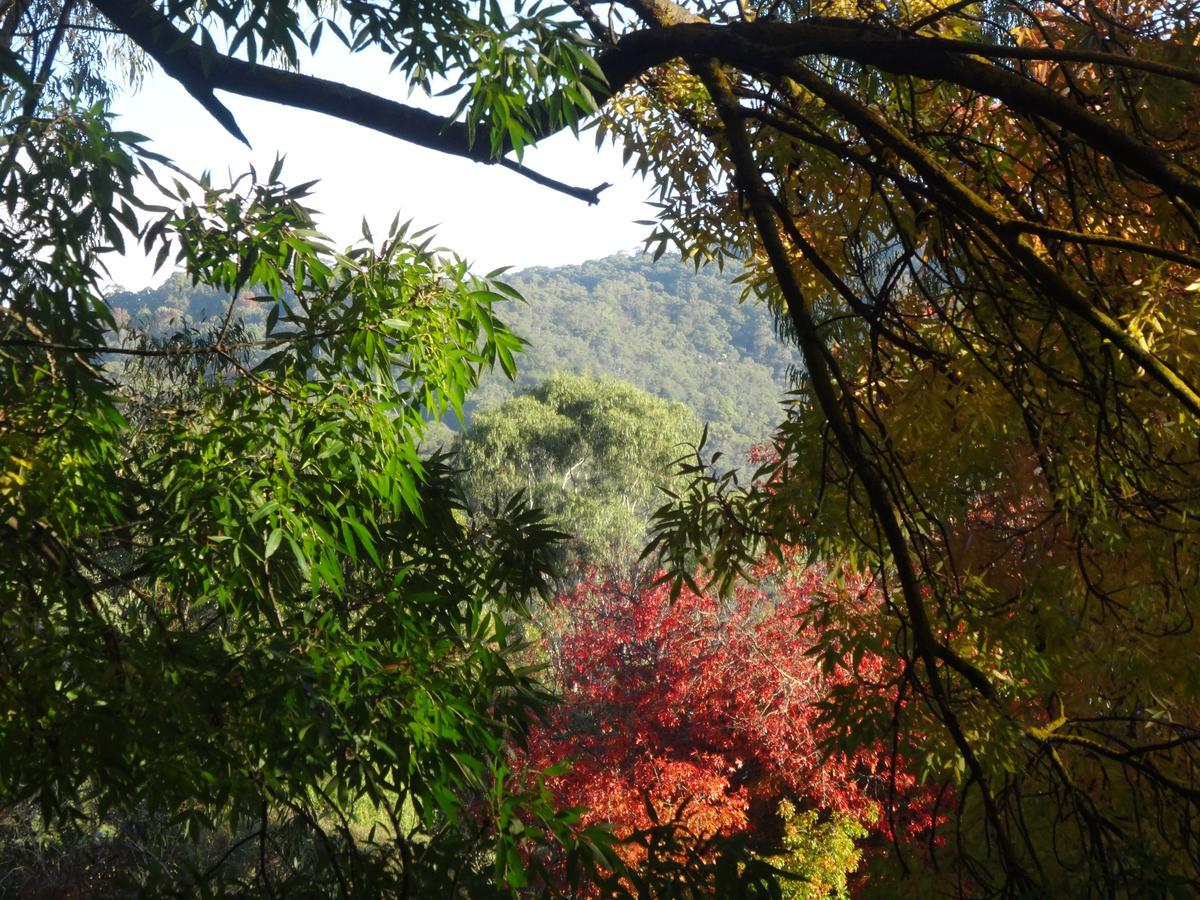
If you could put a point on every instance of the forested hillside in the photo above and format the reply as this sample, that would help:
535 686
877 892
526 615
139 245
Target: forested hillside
662 326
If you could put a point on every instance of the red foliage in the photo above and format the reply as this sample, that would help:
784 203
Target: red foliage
704 712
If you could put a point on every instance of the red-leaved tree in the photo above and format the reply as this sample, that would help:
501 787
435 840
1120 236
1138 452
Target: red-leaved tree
704 713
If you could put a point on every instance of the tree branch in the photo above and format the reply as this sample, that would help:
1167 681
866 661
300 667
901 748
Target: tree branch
775 47
865 468
1008 231
200 73
673 32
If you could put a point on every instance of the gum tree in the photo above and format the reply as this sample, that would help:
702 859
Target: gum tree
249 643
595 454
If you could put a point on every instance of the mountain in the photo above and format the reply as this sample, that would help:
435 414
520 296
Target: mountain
663 326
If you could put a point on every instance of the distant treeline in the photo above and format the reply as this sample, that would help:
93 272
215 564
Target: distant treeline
662 326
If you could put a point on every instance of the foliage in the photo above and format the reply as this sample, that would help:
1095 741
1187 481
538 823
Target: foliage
664 326
697 716
820 853
238 606
594 454
999 410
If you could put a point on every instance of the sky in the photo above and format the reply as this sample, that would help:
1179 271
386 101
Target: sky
488 215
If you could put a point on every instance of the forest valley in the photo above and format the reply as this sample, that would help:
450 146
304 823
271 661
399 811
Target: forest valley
296 599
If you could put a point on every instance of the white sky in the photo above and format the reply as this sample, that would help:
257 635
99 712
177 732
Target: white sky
491 216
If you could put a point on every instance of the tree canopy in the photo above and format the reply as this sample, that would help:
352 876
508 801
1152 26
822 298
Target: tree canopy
241 612
978 221
692 717
595 454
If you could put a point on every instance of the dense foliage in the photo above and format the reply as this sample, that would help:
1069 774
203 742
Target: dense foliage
989 264
238 606
595 454
663 326
700 716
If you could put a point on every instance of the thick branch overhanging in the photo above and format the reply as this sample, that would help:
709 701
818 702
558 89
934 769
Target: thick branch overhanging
202 73
773 47
756 46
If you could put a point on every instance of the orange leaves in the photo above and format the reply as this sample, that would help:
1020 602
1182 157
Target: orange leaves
704 713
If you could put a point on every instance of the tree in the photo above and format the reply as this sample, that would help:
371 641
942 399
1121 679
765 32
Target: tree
985 368
240 611
701 715
595 454
979 222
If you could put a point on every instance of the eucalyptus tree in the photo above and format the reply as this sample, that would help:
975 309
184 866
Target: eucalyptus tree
248 642
597 455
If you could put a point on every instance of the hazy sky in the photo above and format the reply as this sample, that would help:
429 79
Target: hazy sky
491 216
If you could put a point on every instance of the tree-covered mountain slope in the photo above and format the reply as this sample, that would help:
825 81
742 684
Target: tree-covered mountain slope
662 326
